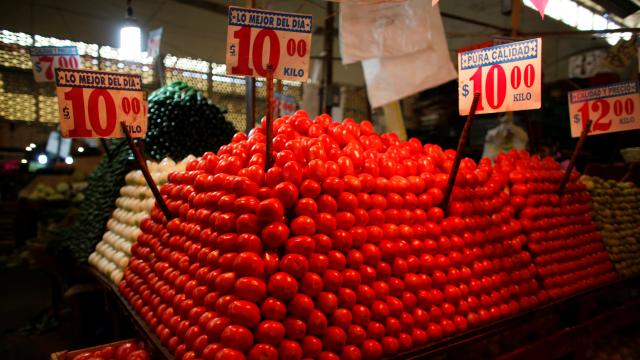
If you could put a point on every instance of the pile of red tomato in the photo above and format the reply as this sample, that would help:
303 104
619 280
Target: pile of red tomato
568 250
339 250
127 351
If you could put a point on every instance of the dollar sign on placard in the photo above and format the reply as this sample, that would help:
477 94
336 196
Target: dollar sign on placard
576 118
65 111
465 90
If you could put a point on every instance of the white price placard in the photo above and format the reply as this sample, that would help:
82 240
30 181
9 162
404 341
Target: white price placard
47 59
612 108
508 77
92 104
257 38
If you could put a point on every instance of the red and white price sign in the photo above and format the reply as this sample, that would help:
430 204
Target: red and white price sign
47 59
612 108
508 77
257 38
285 104
93 103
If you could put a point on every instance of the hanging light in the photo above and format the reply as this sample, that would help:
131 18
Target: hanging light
43 159
80 149
68 160
130 36
23 161
32 145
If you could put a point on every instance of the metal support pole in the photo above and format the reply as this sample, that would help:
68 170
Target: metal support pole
327 79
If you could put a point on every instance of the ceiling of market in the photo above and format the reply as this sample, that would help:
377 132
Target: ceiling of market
197 28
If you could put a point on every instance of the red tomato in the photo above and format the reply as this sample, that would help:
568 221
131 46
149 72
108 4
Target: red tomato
123 351
434 331
229 354
316 322
210 351
311 346
138 355
236 337
270 332
341 318
263 352
287 193
371 350
310 189
334 339
244 313
248 264
270 210
282 286
295 329
289 350
273 309
390 346
327 302
306 207
84 356
250 288
300 306
108 352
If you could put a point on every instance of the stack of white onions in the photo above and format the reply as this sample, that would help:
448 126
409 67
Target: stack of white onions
134 204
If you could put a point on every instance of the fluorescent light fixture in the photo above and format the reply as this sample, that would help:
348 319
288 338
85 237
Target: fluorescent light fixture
24 161
130 41
43 159
80 149
68 160
32 145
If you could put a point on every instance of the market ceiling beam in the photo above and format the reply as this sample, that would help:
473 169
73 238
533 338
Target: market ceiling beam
581 32
475 22
206 5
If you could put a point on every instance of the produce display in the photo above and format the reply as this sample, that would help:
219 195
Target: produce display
112 253
616 208
61 191
337 251
183 121
103 187
568 250
127 351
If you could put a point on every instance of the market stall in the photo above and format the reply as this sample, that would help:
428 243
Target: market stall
469 204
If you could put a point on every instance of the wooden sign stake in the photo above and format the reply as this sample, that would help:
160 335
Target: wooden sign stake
147 175
462 142
629 173
572 163
269 115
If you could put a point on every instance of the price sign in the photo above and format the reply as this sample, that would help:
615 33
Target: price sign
47 59
508 77
611 108
93 103
257 38
285 104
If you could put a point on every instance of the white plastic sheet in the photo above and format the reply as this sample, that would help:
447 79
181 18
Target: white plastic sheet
373 29
392 78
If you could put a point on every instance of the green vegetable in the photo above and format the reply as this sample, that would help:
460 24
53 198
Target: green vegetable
99 199
183 121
